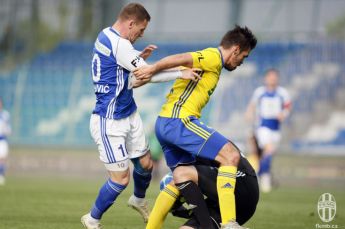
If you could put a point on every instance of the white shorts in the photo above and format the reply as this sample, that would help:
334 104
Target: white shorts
118 140
266 136
3 148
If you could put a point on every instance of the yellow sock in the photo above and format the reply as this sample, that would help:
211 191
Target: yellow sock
226 181
163 204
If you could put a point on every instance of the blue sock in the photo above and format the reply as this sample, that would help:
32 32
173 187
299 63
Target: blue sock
141 182
106 197
265 164
2 169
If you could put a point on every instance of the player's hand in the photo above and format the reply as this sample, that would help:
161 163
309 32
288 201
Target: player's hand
134 82
193 74
147 51
144 72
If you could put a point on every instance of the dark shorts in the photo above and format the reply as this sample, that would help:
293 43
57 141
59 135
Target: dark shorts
246 193
184 139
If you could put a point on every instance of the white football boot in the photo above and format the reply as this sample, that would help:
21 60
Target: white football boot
140 205
89 222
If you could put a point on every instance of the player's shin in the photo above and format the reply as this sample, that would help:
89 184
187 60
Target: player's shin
106 197
265 173
141 183
142 178
265 164
163 204
226 182
195 200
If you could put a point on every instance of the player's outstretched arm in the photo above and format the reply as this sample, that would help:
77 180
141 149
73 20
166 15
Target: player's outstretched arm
165 76
145 72
186 74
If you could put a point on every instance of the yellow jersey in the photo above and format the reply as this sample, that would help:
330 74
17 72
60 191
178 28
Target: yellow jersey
188 98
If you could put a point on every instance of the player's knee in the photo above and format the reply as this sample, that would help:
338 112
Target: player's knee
185 173
146 161
228 155
122 177
144 164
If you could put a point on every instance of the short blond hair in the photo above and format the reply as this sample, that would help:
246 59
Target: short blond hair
134 11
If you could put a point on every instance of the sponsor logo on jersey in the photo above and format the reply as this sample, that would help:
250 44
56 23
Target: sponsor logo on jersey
200 57
135 61
102 48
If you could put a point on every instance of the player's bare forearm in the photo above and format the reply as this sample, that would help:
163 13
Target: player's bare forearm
147 71
183 59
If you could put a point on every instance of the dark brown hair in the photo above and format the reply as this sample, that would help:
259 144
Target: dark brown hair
241 36
134 11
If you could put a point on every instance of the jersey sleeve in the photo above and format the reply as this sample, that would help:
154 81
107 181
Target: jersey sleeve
126 56
206 60
286 98
256 95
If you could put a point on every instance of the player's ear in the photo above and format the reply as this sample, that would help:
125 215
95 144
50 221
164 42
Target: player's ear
237 50
131 23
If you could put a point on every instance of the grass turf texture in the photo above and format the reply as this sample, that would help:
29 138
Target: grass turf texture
53 187
28 202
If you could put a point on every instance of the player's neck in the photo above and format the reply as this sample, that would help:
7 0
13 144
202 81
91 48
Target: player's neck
224 53
120 27
271 88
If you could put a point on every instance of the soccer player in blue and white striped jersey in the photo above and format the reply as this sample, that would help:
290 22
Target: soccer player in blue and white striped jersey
115 124
270 105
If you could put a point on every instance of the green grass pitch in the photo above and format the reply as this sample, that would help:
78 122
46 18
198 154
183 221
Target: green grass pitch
47 203
52 188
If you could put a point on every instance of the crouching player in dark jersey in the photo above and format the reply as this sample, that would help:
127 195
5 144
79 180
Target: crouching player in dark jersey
205 173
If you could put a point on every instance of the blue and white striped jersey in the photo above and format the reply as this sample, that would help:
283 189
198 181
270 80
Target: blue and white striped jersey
113 60
269 105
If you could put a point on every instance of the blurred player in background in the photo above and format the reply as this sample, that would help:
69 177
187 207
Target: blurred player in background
183 136
115 124
5 131
205 175
270 105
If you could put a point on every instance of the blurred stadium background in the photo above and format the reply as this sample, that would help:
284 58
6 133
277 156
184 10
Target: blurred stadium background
45 81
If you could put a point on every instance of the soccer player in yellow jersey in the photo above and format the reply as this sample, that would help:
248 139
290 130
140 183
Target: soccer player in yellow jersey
183 136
